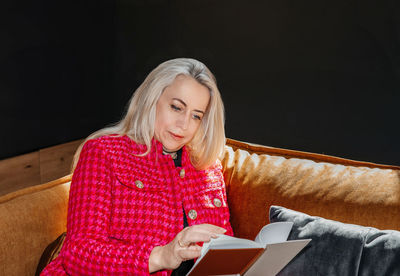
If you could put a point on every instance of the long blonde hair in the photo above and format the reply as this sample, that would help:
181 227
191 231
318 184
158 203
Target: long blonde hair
138 123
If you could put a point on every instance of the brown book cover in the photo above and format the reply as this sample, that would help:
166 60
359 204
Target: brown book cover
226 261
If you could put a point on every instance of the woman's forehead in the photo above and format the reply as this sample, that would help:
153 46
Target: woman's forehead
188 90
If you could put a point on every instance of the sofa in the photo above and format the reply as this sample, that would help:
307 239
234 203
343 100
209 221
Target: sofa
350 209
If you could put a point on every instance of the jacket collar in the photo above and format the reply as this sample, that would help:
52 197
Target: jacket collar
157 150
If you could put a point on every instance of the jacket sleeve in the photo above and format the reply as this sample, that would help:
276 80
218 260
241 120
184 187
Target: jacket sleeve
215 180
89 248
226 214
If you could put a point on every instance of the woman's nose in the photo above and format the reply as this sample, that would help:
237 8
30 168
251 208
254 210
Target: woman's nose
183 121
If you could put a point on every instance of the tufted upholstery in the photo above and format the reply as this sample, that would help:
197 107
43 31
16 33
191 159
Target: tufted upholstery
335 188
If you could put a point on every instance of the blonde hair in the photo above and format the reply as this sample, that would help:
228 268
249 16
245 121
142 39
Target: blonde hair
138 123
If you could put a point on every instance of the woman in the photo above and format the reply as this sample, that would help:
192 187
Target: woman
139 183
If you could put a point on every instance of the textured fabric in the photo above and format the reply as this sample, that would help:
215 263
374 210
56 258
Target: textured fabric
259 177
114 221
339 248
381 253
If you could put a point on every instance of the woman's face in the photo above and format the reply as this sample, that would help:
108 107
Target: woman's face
179 112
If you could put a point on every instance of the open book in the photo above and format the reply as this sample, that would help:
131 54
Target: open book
266 255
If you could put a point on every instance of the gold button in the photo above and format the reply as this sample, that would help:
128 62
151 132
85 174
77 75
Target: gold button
217 202
192 214
139 184
182 173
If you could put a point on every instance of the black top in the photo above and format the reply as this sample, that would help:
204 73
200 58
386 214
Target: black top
185 266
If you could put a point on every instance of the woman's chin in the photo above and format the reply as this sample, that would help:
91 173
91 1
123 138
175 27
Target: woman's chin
171 149
171 146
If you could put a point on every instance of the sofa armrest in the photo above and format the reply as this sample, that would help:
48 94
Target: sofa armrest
30 219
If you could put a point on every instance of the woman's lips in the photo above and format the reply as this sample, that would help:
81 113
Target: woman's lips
176 136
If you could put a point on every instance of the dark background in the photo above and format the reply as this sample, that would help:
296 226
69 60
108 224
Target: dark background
319 76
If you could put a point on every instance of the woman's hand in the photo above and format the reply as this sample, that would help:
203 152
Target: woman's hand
183 247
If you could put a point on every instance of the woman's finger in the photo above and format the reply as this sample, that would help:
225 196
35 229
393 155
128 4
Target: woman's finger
209 228
199 233
194 251
194 237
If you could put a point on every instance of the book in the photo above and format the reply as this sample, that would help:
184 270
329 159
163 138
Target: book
268 254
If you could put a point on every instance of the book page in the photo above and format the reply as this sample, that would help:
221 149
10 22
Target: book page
274 233
275 257
228 242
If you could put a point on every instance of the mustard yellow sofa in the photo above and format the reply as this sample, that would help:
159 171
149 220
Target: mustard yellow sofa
256 177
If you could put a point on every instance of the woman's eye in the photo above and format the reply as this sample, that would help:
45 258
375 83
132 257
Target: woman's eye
174 107
197 117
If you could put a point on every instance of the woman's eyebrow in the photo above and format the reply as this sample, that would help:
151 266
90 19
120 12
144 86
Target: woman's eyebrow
179 100
199 111
182 102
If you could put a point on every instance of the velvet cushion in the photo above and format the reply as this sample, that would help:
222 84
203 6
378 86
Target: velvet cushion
339 248
381 253
50 253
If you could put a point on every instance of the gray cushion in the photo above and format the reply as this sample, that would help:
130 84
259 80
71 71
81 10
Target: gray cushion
339 248
381 253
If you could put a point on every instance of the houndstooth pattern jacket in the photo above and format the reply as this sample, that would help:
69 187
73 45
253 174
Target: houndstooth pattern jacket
122 205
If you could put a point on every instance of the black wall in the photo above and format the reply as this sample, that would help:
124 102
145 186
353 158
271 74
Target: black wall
56 72
307 75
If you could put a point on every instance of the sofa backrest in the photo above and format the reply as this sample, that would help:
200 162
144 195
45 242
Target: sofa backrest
335 188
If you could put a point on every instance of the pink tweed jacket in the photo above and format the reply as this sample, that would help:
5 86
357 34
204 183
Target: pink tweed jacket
121 206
